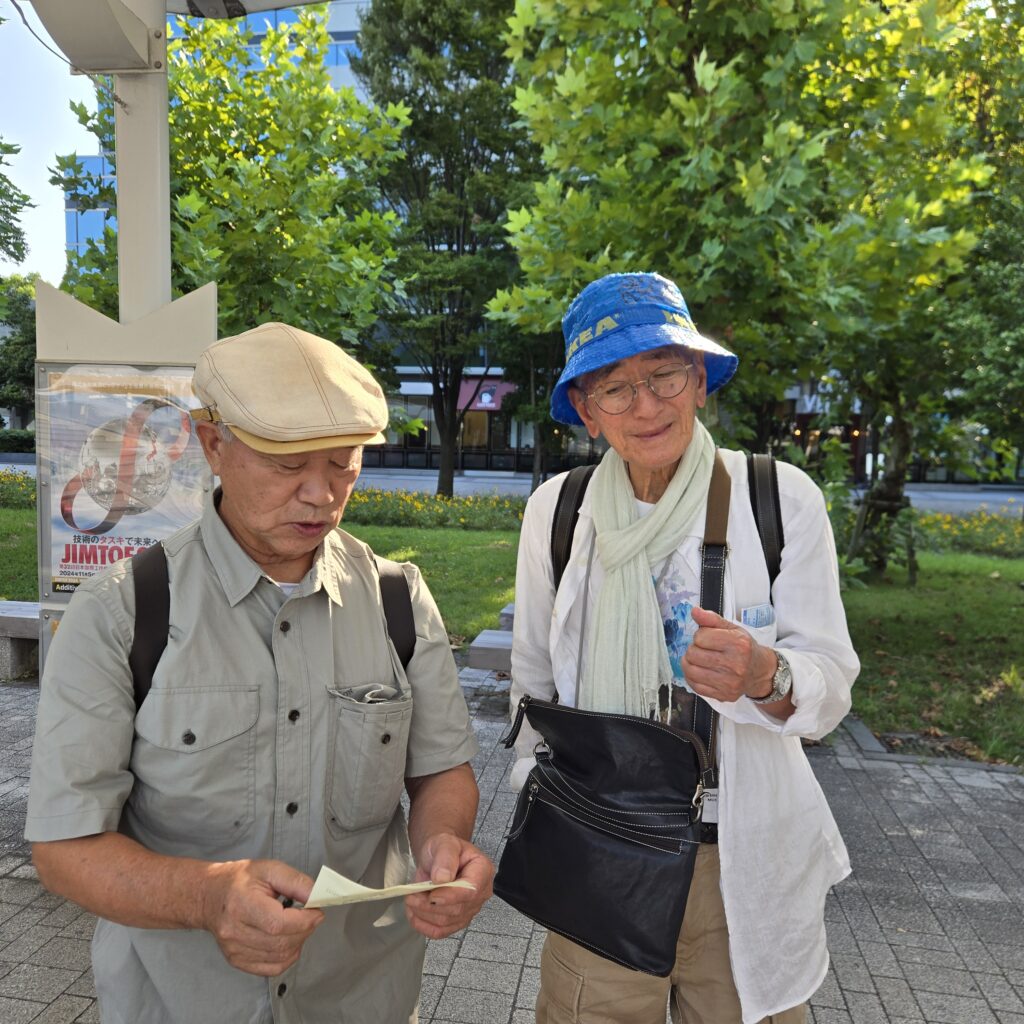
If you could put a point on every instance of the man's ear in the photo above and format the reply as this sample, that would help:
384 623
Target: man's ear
212 441
579 403
701 382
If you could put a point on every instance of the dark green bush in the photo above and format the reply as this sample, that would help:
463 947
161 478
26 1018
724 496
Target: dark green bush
17 441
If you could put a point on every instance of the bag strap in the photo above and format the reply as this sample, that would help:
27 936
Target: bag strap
763 478
397 601
714 552
152 617
716 528
153 614
567 513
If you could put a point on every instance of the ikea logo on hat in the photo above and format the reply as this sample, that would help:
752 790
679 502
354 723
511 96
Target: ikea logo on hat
605 324
633 316
680 320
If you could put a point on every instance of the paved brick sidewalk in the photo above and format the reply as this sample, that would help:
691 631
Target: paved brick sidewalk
929 928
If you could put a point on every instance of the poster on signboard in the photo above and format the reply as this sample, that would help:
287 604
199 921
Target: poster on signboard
125 467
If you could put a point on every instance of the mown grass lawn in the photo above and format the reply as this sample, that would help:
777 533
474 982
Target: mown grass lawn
944 659
471 573
18 579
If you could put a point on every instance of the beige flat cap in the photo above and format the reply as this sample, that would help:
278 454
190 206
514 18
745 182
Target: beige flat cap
282 390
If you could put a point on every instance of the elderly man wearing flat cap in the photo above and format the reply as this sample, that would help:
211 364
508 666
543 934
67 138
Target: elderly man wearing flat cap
630 630
276 737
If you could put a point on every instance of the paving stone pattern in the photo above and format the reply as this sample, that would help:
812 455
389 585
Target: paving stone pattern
929 928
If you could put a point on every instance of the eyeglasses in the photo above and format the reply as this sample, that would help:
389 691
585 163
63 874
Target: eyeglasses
616 396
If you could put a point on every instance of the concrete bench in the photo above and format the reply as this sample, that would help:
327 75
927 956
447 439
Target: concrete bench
492 650
19 639
506 616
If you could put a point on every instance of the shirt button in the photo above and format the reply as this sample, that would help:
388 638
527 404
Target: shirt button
293 715
282 988
188 737
292 807
285 626
386 738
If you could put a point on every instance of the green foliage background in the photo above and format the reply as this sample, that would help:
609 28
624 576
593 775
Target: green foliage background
273 184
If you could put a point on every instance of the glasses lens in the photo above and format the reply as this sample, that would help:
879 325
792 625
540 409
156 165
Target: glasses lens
669 380
614 397
617 396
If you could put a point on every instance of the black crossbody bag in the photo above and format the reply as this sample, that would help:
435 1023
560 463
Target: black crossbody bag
605 832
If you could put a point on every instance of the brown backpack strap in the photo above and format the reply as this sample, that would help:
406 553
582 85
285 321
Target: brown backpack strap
716 527
712 594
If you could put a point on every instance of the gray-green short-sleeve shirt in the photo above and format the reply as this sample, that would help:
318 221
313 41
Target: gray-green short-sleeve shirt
275 728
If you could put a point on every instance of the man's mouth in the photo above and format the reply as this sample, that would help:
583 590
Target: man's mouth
309 529
647 435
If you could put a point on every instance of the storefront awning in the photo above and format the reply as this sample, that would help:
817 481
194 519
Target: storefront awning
488 398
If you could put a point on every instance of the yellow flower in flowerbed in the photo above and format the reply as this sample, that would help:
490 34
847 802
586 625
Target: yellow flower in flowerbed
17 489
374 506
982 532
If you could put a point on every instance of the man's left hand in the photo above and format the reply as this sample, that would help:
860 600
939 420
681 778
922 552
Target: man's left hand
441 912
725 662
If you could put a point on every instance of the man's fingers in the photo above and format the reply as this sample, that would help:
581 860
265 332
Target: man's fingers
253 928
285 880
442 912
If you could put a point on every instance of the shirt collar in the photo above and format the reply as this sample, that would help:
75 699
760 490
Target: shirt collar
238 573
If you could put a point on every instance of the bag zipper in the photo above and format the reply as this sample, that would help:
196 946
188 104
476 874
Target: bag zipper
684 736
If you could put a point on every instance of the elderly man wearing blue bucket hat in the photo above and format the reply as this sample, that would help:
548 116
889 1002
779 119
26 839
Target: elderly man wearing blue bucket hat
625 631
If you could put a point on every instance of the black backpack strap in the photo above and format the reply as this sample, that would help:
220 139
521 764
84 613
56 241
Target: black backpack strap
394 594
152 617
763 479
567 512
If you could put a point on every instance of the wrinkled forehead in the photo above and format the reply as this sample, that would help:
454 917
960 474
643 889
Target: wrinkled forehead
642 362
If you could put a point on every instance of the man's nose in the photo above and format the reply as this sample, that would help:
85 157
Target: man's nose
316 489
645 401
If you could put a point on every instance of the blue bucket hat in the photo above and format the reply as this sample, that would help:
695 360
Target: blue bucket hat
621 315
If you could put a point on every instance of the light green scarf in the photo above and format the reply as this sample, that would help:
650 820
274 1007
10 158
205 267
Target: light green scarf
628 656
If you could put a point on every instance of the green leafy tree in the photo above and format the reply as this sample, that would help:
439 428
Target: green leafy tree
272 183
985 330
679 138
908 198
18 344
12 202
795 165
466 160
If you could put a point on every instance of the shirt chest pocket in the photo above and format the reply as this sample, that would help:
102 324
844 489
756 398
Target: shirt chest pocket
366 762
194 761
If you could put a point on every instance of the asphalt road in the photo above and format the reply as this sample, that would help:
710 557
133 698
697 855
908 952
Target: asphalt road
959 499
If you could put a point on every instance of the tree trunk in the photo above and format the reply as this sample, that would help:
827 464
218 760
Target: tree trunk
886 498
446 380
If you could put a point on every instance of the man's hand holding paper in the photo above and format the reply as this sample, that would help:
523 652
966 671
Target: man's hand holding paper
444 858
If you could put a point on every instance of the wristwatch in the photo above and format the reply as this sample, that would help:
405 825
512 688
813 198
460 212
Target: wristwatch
782 681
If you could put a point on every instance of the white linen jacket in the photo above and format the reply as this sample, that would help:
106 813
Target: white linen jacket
779 845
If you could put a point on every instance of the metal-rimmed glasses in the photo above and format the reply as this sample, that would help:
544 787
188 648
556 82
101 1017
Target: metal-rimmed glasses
615 397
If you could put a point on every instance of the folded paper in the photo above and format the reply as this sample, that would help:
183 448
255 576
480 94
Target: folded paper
333 890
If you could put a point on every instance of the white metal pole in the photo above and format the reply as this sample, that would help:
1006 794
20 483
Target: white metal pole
143 182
